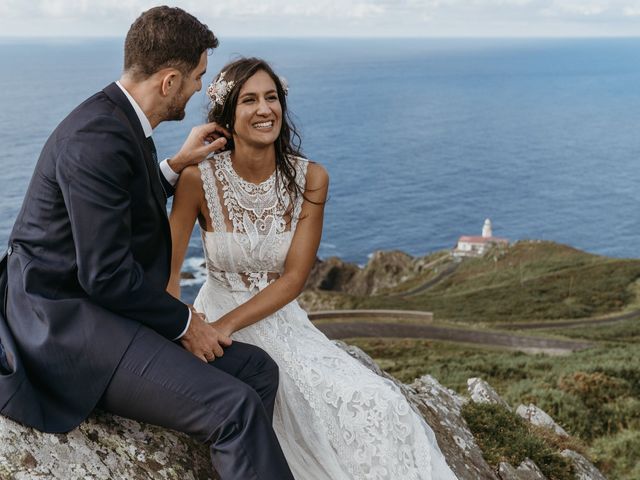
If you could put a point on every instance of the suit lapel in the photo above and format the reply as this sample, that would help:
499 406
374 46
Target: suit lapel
116 95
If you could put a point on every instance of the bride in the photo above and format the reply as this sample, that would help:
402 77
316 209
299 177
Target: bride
260 210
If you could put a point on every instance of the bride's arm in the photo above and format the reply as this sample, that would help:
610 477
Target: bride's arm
298 264
186 208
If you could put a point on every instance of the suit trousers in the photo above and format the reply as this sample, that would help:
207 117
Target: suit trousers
228 402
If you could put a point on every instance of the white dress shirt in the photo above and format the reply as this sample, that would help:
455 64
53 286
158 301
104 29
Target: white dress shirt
170 175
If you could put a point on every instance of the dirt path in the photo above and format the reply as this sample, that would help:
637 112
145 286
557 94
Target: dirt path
344 328
432 332
579 322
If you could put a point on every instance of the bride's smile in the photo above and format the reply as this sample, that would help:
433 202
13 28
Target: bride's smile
258 116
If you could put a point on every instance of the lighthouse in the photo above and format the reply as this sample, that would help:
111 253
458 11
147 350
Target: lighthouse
475 246
487 231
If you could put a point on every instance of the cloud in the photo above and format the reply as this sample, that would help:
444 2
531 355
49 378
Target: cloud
335 17
230 8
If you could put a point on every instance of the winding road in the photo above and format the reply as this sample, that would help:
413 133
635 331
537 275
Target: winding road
341 324
499 339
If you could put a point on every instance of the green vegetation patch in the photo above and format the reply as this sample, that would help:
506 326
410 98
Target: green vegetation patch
505 437
624 331
619 454
527 281
593 394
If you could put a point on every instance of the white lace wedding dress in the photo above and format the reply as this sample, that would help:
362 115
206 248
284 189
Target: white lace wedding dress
335 419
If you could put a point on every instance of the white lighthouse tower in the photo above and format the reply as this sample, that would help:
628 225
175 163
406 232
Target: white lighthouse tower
476 246
487 231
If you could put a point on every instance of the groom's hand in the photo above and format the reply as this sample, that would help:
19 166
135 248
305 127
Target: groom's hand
201 142
203 340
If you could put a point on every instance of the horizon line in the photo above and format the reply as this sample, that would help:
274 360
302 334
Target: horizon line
344 37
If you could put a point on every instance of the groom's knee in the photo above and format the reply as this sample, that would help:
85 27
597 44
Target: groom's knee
266 376
258 369
269 368
244 407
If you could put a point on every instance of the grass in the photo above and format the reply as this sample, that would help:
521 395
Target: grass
626 331
527 281
593 394
503 436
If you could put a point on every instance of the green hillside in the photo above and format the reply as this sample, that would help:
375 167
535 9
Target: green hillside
527 281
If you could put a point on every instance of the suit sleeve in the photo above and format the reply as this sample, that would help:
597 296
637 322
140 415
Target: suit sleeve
94 171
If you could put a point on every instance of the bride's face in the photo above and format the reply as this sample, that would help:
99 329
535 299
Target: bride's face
258 111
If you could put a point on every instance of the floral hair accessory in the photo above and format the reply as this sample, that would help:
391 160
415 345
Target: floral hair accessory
218 90
285 85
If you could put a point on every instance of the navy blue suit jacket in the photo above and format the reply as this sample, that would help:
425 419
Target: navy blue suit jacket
89 261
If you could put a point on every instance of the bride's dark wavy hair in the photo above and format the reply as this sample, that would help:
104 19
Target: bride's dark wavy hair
288 141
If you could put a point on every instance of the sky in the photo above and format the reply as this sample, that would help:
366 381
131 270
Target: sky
335 18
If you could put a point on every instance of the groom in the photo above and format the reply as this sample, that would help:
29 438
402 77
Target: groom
85 319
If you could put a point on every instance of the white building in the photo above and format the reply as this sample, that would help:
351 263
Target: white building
476 246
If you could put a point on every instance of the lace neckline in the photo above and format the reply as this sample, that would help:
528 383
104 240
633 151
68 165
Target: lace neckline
228 165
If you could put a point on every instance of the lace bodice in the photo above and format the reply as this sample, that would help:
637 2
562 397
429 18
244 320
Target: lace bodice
253 224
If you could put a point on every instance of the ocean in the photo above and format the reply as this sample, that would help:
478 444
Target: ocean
423 138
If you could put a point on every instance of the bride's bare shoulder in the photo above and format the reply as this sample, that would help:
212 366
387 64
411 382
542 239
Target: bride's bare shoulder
317 182
190 185
317 175
190 176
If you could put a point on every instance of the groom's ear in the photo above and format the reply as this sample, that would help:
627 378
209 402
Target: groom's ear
170 81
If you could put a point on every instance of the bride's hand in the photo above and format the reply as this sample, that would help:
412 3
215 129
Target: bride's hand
222 326
201 142
204 340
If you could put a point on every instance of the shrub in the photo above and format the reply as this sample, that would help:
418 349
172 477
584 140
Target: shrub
504 436
617 455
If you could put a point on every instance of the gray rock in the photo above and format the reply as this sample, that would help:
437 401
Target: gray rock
104 447
481 392
383 270
583 468
442 409
506 471
539 417
528 470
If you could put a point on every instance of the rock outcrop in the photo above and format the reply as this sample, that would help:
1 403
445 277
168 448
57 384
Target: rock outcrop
481 392
104 447
110 447
333 281
540 418
383 270
583 468
527 470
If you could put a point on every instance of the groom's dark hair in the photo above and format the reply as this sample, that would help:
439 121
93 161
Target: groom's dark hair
165 37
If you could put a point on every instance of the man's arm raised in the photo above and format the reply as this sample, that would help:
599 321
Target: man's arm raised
95 184
202 141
